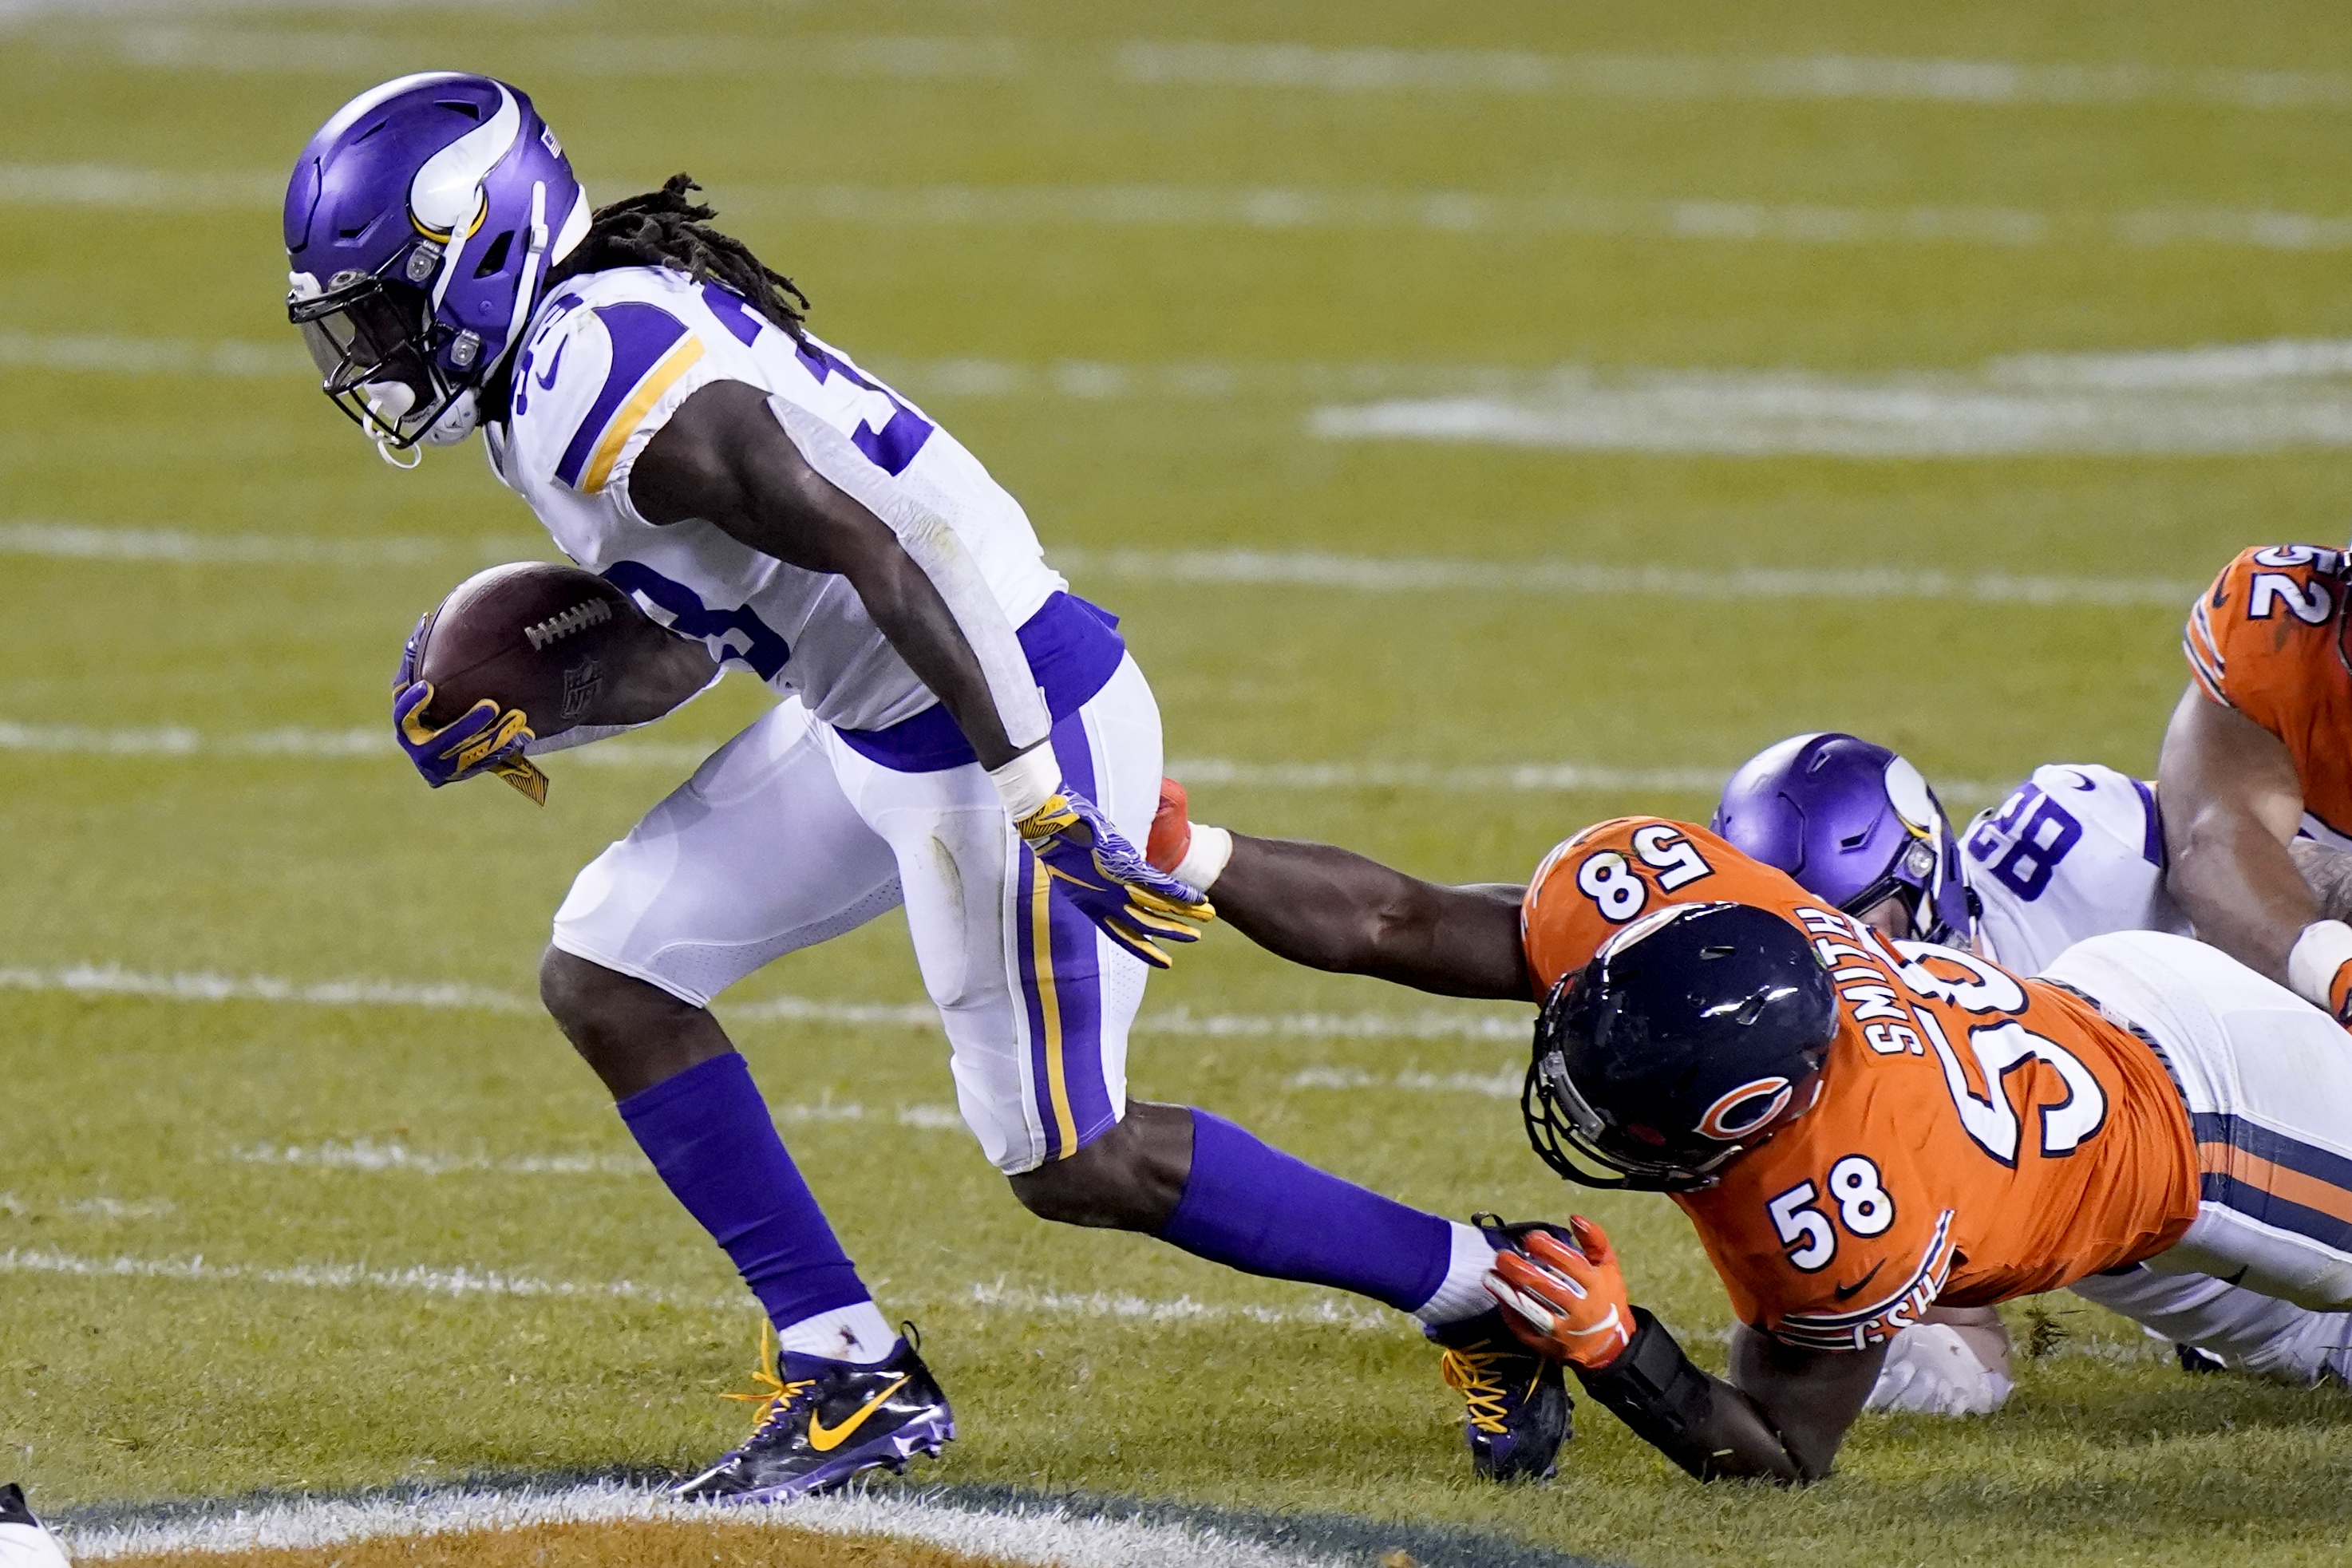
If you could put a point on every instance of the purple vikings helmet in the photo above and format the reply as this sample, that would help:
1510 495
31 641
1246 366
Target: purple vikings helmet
1855 824
420 224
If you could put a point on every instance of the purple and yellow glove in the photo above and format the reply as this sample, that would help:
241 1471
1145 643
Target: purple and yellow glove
483 739
1095 866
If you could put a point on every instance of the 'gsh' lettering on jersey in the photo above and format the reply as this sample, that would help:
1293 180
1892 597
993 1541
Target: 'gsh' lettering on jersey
611 356
1978 1136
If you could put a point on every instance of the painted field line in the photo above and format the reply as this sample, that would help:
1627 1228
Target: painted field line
469 1283
1288 209
461 1281
234 358
1767 414
1041 1531
2287 361
1503 1084
1688 77
182 547
1233 568
656 57
1408 574
1500 779
1332 1314
1283 65
370 1155
1464 1022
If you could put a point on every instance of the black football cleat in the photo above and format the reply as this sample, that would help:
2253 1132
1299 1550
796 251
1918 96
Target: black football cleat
1517 1402
824 1422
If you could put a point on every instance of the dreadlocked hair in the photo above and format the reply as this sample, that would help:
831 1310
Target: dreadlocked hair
662 228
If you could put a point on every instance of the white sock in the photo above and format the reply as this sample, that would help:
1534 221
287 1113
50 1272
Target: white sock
854 1334
1460 1295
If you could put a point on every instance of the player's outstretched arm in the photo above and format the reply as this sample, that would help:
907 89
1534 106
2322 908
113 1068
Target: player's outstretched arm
1331 908
2231 802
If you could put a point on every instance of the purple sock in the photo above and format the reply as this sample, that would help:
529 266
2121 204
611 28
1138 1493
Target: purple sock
1253 1207
708 1134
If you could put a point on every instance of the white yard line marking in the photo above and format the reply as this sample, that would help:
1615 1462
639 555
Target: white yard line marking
1374 574
1337 1312
1282 65
81 541
660 57
2286 361
1465 1023
1280 209
1503 1084
462 1281
367 1155
148 356
1766 414
1687 78
1513 778
1235 568
1041 1533
468 1281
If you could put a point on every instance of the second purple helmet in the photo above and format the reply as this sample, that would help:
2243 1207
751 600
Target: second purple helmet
1855 824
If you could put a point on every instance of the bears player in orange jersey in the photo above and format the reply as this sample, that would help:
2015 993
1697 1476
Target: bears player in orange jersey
2257 764
1857 1128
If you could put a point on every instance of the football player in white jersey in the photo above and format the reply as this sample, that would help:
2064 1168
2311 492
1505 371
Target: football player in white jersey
958 733
2076 852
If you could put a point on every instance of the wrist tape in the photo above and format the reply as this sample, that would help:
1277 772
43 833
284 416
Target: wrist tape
1027 782
2323 949
1205 857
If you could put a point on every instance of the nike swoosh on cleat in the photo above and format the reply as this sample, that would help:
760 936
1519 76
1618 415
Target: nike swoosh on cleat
1842 1292
825 1440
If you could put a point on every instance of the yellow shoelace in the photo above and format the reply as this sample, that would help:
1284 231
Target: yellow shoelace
772 1392
1469 1372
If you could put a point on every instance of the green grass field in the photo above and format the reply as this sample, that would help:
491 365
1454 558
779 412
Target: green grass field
247 1318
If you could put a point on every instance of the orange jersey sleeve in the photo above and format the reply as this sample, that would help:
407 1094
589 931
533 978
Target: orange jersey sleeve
1976 1137
2267 640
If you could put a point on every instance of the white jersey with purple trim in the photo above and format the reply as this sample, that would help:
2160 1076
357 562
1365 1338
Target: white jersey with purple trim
2076 852
611 356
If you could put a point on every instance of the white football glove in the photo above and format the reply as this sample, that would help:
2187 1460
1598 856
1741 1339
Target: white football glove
1931 1371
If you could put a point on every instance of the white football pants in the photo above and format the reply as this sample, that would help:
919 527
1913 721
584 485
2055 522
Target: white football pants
786 837
2263 1277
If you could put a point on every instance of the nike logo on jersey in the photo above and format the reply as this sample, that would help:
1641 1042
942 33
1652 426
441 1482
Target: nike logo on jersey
547 377
825 1439
1845 1292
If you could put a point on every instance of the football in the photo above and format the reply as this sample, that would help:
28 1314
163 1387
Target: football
536 636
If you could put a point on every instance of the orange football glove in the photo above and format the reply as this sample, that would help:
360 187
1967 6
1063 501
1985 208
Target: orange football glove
1566 1302
1172 829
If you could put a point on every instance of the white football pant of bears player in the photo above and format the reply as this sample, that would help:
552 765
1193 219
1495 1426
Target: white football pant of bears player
2077 851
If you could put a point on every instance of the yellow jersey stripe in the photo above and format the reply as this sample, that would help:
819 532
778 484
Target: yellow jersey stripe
659 380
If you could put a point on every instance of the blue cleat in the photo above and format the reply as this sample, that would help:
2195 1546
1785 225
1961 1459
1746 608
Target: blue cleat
1517 1402
822 1422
